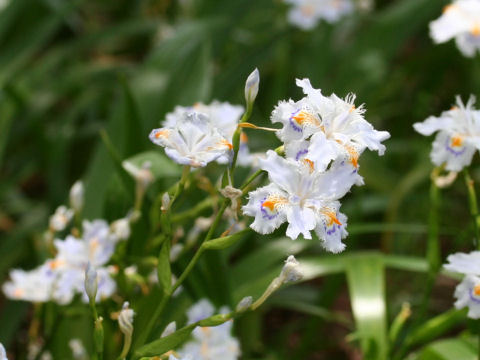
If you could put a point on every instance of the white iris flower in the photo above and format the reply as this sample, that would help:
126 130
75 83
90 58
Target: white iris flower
460 20
194 140
458 135
304 197
224 117
330 128
467 292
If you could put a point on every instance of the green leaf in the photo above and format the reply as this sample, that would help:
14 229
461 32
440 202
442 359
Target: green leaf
435 327
450 349
163 269
161 166
135 140
225 242
161 346
366 284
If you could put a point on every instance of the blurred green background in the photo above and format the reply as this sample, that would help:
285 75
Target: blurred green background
71 68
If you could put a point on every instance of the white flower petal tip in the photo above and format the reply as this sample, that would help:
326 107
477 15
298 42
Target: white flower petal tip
3 353
460 21
467 264
457 136
169 329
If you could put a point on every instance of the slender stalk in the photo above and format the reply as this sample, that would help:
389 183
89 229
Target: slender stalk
472 200
433 249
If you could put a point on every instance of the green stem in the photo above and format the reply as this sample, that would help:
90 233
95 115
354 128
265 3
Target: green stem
181 184
472 200
433 249
195 211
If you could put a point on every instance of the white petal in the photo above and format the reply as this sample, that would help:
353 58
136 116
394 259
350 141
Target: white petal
300 221
270 216
455 158
464 263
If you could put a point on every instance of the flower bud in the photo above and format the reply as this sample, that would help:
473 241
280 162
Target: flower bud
77 193
60 219
121 228
91 282
170 329
125 320
251 87
244 304
165 202
291 271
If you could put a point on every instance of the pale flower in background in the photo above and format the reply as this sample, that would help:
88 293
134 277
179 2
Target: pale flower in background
460 20
193 141
210 342
61 218
306 14
458 135
78 349
305 198
60 278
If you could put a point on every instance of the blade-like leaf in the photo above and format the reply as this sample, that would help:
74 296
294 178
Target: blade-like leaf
366 283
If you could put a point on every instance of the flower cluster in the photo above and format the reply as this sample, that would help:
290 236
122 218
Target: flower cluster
323 139
458 135
307 13
467 292
60 278
460 20
209 342
199 134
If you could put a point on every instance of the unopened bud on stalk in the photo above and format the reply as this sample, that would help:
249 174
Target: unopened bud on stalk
165 202
121 228
170 329
251 87
125 320
77 193
91 282
244 304
291 271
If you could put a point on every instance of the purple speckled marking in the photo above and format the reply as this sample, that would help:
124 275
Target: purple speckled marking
293 123
473 298
265 214
451 151
300 153
333 230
